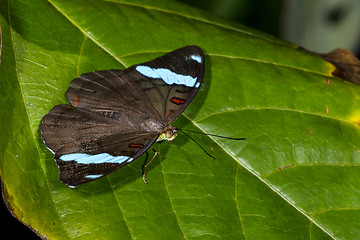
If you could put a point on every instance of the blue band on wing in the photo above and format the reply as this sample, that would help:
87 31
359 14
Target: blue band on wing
84 158
196 58
93 176
167 76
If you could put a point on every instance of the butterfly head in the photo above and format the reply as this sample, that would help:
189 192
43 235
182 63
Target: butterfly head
169 133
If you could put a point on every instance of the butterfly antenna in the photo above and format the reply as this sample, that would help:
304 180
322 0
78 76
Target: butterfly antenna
197 143
213 135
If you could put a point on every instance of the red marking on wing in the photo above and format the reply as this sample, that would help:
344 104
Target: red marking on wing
76 99
136 146
177 101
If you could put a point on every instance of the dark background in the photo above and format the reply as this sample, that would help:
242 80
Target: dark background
337 25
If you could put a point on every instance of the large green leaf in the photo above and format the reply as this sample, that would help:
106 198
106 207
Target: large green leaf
296 176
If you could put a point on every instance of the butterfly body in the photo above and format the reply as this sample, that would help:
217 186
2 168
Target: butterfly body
114 116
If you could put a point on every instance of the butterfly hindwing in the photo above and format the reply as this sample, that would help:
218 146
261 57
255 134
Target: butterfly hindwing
116 115
79 168
75 135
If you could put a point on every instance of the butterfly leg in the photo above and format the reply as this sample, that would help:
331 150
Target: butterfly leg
146 164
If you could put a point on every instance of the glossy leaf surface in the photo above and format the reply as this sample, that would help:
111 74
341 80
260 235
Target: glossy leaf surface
295 177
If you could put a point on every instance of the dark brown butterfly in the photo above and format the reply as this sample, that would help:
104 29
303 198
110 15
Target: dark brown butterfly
114 116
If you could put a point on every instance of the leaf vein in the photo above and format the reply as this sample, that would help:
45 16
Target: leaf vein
170 199
236 201
272 108
86 33
121 209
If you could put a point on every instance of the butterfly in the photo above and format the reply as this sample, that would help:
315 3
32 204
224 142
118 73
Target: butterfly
115 116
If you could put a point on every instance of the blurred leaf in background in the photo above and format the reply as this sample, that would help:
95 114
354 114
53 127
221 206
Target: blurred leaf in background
320 26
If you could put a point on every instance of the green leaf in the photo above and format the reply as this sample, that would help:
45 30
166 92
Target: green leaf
295 177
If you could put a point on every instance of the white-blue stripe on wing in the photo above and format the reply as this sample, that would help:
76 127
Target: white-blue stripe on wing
167 76
93 176
84 158
196 58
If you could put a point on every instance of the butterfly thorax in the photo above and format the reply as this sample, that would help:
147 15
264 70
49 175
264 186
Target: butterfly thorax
166 132
169 133
152 125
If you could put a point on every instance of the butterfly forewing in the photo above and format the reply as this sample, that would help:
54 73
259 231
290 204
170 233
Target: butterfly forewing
109 93
171 81
114 116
